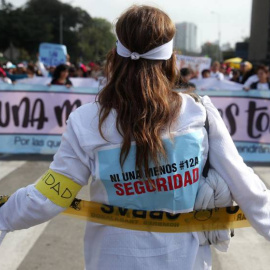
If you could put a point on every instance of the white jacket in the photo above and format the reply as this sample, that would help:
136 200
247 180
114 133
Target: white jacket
114 248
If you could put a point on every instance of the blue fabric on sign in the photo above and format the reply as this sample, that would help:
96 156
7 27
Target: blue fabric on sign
174 189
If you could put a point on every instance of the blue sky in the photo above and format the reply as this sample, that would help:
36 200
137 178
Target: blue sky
234 15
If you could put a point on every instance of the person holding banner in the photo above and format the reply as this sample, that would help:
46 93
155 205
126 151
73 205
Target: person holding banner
3 77
184 78
206 73
215 71
263 79
145 146
60 76
82 71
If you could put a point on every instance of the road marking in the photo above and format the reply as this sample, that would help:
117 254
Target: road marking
7 167
263 173
17 244
248 250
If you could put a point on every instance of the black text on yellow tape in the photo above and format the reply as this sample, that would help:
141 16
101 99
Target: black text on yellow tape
3 199
60 189
158 221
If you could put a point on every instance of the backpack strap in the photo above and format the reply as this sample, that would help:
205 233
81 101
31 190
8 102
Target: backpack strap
207 164
197 98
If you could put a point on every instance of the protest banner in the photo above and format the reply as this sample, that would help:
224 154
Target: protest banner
52 54
76 82
197 64
247 117
216 84
32 118
32 121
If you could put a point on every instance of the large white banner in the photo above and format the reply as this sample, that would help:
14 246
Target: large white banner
76 82
197 64
216 84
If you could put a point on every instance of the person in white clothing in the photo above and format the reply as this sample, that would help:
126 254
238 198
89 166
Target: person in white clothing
215 71
252 79
140 130
262 82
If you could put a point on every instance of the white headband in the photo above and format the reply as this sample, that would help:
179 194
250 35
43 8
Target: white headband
163 52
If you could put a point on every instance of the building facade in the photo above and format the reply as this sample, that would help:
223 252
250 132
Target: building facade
186 37
259 45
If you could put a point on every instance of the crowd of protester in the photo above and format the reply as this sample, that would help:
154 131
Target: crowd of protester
60 75
249 76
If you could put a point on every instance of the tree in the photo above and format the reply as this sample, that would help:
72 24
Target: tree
97 40
6 11
46 19
211 50
39 21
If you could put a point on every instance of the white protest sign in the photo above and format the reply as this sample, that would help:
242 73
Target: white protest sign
52 54
197 64
76 82
216 84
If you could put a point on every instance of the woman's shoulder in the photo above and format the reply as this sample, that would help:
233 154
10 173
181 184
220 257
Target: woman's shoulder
86 118
86 111
192 112
85 124
191 103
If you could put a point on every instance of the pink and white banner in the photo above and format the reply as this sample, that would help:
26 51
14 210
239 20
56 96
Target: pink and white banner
38 112
247 119
32 121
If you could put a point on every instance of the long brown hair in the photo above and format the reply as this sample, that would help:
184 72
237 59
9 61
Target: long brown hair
141 90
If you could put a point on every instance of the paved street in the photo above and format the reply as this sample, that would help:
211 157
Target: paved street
58 244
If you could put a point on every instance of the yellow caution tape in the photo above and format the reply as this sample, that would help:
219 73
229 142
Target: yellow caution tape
158 221
3 199
60 189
